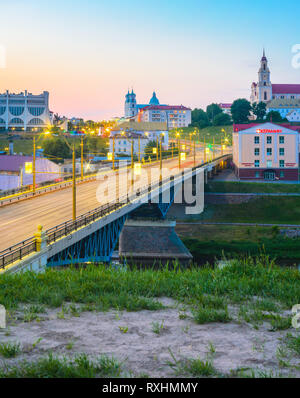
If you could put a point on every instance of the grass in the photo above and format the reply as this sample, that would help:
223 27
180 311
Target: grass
192 367
55 367
100 288
267 210
293 343
288 249
203 315
9 350
250 187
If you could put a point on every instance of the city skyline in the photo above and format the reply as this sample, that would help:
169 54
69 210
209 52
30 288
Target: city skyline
192 55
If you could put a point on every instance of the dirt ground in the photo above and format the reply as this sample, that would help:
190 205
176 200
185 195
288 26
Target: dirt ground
142 351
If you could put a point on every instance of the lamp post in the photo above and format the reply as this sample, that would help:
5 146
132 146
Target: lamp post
81 147
204 151
132 165
157 148
74 182
33 167
178 145
160 158
113 154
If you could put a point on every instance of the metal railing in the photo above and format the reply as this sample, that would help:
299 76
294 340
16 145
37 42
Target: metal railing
23 249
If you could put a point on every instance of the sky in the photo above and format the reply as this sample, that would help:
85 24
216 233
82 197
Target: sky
87 53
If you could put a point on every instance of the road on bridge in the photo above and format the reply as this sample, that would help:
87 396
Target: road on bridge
19 221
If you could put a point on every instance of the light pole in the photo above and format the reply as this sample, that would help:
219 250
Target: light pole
160 162
74 182
113 154
81 147
33 166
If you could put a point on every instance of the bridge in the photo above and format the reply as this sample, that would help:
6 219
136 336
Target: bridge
103 211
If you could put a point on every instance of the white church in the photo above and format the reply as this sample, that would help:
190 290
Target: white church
265 91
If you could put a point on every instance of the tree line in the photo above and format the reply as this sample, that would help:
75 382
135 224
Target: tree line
241 111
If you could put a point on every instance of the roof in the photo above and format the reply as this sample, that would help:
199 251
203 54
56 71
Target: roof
241 127
127 135
284 103
13 162
166 108
225 106
141 126
154 100
286 88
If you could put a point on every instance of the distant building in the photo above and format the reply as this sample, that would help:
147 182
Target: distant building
284 106
226 108
137 132
174 115
24 111
13 171
266 151
294 116
265 91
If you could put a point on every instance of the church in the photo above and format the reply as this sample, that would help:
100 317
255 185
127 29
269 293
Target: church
265 91
176 116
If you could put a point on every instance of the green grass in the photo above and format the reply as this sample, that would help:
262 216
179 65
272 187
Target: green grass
98 287
54 367
293 343
204 315
250 187
209 133
282 249
192 367
270 210
9 350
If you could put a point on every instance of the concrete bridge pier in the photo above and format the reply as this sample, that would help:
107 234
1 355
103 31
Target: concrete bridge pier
152 243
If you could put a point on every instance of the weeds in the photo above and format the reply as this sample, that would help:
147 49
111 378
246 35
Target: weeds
203 315
9 350
157 327
54 367
191 367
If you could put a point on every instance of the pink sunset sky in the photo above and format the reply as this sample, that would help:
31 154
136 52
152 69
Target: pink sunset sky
88 53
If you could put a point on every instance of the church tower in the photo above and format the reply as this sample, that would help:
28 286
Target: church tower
262 91
264 81
130 105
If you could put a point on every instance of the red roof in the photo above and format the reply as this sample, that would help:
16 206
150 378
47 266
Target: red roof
166 108
225 106
286 88
241 127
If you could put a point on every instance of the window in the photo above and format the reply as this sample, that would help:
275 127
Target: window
281 151
269 140
257 174
256 140
269 163
281 163
256 163
282 174
269 151
281 140
265 96
256 152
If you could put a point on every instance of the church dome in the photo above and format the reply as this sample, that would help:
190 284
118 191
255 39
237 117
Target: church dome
154 100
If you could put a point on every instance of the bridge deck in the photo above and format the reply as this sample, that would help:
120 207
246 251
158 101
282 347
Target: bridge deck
19 221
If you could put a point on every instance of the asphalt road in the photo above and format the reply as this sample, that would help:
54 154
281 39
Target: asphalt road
19 221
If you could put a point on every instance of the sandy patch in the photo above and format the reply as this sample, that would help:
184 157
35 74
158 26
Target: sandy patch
237 345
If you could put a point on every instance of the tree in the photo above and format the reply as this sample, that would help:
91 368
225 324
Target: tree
259 110
240 111
275 117
199 119
56 149
212 111
222 119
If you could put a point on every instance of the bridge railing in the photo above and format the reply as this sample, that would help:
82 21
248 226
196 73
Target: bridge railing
23 249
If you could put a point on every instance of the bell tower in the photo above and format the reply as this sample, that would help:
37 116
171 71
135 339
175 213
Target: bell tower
264 86
130 105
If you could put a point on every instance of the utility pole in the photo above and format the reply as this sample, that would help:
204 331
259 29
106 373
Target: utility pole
81 145
33 166
74 183
160 163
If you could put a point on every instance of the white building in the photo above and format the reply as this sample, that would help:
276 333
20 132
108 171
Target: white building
140 134
24 111
226 108
294 116
284 106
174 115
265 91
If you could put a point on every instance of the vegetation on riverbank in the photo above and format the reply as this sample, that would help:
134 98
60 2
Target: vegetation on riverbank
250 187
